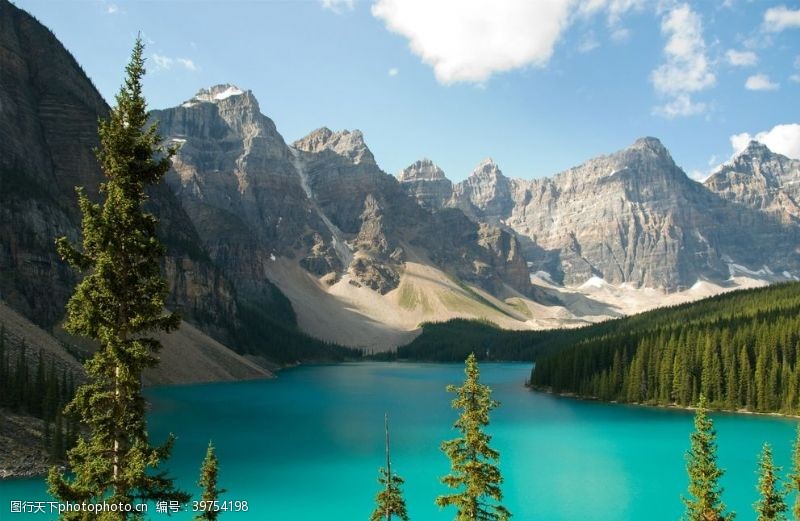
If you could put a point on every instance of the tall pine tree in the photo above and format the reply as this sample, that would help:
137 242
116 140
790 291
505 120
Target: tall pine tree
208 483
705 502
389 501
119 302
770 505
474 473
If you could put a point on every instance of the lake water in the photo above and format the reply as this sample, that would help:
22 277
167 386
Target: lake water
307 446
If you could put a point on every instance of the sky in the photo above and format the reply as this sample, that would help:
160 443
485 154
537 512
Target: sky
539 86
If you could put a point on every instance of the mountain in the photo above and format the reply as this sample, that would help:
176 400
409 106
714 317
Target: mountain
337 234
632 217
48 129
762 180
289 251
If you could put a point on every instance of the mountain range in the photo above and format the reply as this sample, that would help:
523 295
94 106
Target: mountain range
278 251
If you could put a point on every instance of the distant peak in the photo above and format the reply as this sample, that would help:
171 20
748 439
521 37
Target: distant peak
755 148
421 170
348 143
487 167
649 143
216 94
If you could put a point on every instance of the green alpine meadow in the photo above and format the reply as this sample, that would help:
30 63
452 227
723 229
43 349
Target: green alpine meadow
208 312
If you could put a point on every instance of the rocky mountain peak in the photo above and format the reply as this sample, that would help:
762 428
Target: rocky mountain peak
650 144
421 170
487 168
221 93
345 143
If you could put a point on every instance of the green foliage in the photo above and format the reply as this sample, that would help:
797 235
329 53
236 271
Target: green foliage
284 343
455 339
771 505
41 392
208 483
117 304
474 475
794 476
740 350
704 503
389 500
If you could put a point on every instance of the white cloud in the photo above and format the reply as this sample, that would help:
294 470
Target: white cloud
470 40
394 71
337 6
112 9
681 105
777 19
687 68
741 58
781 139
795 78
588 43
698 175
166 63
614 9
760 82
620 34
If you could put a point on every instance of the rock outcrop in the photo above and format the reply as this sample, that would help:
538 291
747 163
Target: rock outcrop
762 180
426 182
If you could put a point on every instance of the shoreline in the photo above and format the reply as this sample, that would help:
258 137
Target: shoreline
674 407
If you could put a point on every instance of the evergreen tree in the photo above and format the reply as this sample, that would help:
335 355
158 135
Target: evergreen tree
118 303
389 501
208 483
771 505
704 503
474 473
794 477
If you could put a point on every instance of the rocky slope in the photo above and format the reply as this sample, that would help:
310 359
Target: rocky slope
761 180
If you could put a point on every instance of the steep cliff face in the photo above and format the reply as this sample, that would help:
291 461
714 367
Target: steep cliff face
426 183
630 217
762 180
48 129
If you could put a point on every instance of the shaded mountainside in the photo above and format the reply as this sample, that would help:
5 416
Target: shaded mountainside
741 350
48 130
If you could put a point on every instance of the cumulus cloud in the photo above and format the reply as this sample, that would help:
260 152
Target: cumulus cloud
741 58
780 18
686 69
795 78
781 139
166 63
338 6
760 82
470 40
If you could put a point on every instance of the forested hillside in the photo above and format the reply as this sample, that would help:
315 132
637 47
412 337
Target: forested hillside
740 350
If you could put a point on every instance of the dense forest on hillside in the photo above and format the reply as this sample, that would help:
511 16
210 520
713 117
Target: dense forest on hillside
739 349
40 390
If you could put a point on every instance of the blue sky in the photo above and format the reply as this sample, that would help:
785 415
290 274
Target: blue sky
538 86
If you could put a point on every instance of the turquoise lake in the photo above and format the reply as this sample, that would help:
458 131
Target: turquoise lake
307 446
